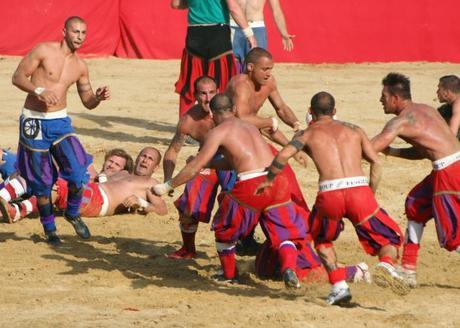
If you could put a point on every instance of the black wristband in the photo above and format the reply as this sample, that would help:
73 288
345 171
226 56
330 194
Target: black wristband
277 164
296 144
270 175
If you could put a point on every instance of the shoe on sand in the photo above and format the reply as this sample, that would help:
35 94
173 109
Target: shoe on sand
80 227
52 238
290 279
385 275
339 296
181 254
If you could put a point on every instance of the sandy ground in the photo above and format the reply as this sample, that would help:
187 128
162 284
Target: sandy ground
120 277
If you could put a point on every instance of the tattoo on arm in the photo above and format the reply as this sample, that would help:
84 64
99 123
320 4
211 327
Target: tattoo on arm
178 142
296 144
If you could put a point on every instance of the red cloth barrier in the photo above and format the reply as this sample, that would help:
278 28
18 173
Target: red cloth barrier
329 31
151 29
28 22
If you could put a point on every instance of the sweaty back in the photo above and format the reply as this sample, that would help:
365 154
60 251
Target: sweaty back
335 148
245 146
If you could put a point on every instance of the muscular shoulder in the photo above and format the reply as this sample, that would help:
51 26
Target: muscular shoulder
241 87
44 49
81 64
350 126
238 81
397 122
187 121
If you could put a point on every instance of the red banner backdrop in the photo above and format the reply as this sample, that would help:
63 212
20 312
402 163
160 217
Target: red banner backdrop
28 22
329 31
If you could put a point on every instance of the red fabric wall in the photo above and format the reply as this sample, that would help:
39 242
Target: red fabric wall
28 22
333 31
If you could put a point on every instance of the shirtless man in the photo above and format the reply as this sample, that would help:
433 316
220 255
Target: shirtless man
337 148
437 195
245 150
449 93
126 191
249 91
197 201
254 11
46 134
115 161
121 192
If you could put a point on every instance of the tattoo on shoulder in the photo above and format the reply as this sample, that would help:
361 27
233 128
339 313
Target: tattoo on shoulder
391 125
411 118
350 125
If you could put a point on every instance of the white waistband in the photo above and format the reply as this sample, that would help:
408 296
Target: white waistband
105 202
44 115
251 23
336 184
251 174
446 161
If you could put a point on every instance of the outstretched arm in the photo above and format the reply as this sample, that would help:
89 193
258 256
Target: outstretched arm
388 134
284 112
209 148
90 99
280 160
410 153
280 22
371 156
169 161
278 137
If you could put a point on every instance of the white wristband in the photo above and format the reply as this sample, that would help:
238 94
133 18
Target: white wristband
102 177
248 32
143 203
163 188
38 91
274 124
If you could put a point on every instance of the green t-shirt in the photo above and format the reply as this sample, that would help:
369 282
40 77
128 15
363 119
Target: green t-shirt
207 12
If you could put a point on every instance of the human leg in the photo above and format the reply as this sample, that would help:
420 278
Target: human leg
73 161
195 205
13 189
419 211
